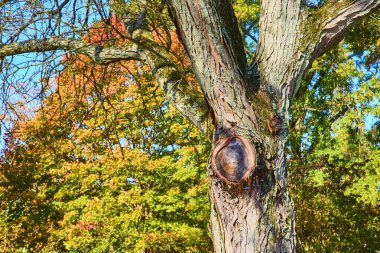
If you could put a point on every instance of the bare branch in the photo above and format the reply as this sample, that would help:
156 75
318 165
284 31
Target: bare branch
98 53
183 95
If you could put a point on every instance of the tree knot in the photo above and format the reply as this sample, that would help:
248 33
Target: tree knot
233 159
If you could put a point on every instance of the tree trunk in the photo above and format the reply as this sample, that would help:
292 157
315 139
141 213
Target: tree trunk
251 207
254 216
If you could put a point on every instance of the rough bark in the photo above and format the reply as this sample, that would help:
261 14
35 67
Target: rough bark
255 214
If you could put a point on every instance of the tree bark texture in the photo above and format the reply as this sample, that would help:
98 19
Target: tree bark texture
254 215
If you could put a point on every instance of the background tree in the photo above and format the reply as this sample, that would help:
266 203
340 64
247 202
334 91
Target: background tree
248 103
334 149
106 165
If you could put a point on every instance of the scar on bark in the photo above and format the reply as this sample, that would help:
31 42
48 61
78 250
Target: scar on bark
234 159
274 125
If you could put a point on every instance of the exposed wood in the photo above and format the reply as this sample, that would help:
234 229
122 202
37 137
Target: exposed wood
234 159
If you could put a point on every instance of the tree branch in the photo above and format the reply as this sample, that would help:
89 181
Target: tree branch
179 93
324 27
188 100
98 53
346 16
210 34
295 35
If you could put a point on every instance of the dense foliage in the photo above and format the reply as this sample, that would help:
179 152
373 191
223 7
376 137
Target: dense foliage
106 165
334 148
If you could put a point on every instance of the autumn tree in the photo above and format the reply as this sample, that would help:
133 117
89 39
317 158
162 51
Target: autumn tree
105 165
242 102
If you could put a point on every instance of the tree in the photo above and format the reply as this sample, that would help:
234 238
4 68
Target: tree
106 165
333 174
242 107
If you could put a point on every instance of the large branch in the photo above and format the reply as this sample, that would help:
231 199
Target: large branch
324 28
178 92
277 59
293 35
338 24
210 34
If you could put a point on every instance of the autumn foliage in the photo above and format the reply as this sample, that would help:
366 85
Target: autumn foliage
106 165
